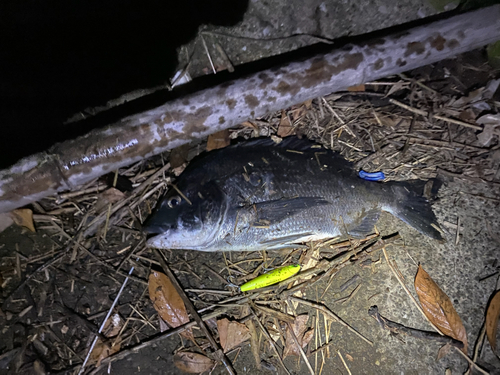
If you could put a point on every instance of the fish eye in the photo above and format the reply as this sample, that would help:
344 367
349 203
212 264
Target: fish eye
174 201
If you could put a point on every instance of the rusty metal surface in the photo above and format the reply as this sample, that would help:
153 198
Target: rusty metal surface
72 163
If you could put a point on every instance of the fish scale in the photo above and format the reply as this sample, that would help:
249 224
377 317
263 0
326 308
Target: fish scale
259 195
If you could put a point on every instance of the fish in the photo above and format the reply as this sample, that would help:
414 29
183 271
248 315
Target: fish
262 195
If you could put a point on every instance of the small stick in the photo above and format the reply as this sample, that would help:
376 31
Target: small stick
278 314
300 349
437 117
345 364
321 348
397 328
192 310
353 293
271 341
208 54
181 194
417 82
331 315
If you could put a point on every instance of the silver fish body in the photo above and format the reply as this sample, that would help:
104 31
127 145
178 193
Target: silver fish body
259 195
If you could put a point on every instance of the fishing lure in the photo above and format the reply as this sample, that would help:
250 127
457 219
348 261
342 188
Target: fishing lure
270 278
371 176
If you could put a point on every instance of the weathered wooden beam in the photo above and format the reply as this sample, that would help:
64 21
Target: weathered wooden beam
72 163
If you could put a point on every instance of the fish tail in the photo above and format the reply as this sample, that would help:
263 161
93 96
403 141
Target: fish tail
412 205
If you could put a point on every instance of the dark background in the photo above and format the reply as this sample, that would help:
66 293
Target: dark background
60 57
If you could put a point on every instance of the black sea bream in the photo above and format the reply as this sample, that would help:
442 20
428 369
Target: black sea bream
259 195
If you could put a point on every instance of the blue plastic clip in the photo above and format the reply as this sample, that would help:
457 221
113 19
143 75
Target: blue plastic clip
374 176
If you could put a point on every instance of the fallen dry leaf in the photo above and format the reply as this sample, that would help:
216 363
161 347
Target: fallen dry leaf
308 103
438 308
285 127
492 314
218 140
24 218
192 363
102 350
356 88
303 336
167 301
108 197
179 156
443 351
113 325
231 334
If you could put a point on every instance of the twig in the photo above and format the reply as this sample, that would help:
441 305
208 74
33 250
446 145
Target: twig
345 364
408 292
271 341
290 328
397 328
208 54
437 117
332 316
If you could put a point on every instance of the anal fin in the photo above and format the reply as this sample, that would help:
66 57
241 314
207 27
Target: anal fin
284 242
365 227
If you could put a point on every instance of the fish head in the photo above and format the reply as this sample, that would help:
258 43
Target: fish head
187 218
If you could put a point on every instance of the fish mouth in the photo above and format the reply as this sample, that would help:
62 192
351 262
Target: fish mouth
156 233
152 240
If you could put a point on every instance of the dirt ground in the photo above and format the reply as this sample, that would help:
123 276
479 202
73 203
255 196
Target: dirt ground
57 285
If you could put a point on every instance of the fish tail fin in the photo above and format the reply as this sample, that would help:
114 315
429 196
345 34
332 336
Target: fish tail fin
412 205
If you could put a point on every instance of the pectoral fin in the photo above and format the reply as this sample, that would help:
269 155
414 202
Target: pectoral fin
273 212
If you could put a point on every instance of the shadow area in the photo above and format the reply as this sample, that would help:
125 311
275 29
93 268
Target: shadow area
60 57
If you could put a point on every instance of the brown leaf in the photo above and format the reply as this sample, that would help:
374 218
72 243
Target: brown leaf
231 334
192 363
285 127
218 140
179 156
303 336
167 301
492 314
443 351
108 197
356 88
24 218
113 325
438 308
102 350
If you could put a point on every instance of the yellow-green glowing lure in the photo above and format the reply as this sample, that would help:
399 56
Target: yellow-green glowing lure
270 278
